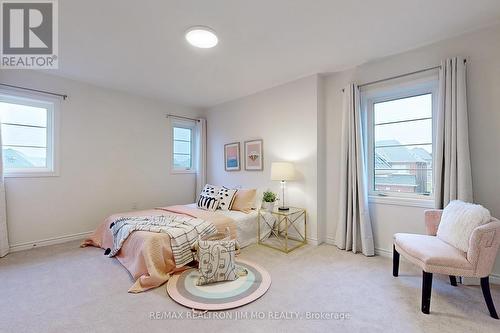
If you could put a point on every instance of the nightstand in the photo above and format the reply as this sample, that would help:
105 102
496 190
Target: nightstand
288 228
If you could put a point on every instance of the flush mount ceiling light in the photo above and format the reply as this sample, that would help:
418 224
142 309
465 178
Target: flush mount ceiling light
202 37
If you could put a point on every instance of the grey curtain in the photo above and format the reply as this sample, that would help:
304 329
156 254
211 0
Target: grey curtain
4 239
201 155
354 229
453 178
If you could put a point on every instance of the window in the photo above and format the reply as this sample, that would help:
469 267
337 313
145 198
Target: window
400 140
28 136
182 147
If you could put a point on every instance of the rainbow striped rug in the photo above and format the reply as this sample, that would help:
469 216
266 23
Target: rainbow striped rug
182 288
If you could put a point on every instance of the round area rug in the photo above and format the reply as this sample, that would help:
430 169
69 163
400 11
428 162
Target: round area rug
221 295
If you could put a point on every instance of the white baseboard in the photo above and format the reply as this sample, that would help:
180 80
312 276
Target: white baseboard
383 252
330 240
312 241
48 241
494 279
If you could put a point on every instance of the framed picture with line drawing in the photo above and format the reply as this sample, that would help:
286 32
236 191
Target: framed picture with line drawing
254 155
232 156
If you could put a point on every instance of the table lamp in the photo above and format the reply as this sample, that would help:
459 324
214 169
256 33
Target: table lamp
282 171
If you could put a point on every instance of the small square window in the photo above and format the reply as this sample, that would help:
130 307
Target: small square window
28 140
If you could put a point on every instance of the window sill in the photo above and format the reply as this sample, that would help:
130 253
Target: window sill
400 201
31 174
182 172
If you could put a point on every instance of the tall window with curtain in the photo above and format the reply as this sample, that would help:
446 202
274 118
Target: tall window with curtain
189 137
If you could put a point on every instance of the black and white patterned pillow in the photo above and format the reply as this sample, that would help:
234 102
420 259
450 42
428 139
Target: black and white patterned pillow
208 202
216 261
226 198
210 190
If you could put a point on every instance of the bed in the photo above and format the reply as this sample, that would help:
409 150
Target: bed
148 255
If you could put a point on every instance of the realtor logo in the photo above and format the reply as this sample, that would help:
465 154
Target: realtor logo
29 34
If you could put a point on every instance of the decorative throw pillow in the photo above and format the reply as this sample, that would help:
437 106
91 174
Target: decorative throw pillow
216 261
244 200
210 190
208 202
226 198
459 220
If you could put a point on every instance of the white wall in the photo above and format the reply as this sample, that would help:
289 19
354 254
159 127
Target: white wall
114 155
482 50
115 147
286 118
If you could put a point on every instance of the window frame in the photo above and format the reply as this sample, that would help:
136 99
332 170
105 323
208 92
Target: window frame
406 89
52 106
177 123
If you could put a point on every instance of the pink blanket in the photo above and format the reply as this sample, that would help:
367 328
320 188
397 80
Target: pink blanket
148 255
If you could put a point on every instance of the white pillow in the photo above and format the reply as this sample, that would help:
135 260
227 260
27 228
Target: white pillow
459 220
226 198
210 190
216 261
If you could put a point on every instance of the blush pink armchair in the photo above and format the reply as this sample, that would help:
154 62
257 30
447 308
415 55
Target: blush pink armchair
436 256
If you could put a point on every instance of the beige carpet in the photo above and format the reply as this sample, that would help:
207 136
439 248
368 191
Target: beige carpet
64 288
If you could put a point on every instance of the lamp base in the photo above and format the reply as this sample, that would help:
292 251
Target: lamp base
283 208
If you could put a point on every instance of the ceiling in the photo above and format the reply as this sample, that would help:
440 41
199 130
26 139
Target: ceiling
139 46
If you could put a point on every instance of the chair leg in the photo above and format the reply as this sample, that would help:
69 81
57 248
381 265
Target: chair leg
426 291
453 280
395 262
485 287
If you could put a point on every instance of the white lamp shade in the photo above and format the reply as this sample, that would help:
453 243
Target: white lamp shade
282 171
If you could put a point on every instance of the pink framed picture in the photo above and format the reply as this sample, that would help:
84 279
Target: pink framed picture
232 156
254 155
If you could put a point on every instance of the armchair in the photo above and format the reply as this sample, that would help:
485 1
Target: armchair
436 256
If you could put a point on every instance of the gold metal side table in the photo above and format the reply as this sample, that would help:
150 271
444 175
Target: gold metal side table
288 228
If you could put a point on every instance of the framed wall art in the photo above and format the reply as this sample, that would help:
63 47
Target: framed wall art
254 155
232 157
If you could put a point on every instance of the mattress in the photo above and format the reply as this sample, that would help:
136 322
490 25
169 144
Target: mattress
246 225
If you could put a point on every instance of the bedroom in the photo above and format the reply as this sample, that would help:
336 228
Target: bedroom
278 79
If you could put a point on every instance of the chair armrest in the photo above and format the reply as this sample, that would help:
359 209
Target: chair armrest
483 247
432 219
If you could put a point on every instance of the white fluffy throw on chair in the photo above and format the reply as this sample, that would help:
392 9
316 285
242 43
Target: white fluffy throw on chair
459 220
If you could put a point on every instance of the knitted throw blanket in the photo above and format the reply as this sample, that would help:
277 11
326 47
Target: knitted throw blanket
183 230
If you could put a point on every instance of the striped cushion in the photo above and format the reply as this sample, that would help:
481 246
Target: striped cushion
208 202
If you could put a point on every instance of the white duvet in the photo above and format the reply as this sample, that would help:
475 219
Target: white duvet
246 225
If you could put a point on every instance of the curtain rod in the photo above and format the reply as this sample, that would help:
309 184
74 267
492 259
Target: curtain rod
401 75
64 96
181 117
